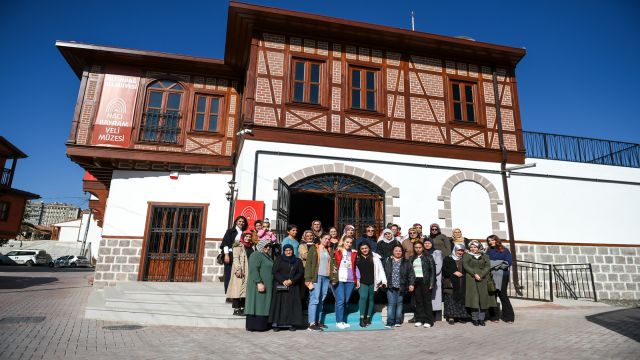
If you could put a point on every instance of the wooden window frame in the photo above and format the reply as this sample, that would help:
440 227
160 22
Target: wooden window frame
163 108
307 81
363 94
4 216
221 130
478 119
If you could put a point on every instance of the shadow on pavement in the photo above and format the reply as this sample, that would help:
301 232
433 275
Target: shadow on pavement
625 322
21 282
40 269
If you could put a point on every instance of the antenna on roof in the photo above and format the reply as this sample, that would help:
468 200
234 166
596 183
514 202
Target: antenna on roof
413 22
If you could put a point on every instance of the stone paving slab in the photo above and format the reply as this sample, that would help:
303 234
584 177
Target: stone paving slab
543 331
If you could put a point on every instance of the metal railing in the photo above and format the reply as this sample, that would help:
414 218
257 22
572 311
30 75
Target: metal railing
534 280
574 281
161 127
6 177
580 149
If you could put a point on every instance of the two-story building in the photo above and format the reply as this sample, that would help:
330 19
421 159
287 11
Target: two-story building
12 200
347 122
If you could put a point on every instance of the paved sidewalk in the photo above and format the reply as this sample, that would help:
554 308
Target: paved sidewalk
41 317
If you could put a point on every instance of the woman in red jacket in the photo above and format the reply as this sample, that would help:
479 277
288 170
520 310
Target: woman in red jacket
348 278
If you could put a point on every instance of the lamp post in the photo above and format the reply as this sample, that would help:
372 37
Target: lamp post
231 197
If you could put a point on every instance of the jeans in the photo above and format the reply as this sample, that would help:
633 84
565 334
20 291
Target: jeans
342 292
316 298
366 304
424 308
394 307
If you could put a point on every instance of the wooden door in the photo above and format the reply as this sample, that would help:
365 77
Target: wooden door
173 244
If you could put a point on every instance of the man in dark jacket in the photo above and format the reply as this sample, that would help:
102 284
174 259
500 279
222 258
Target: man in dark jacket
370 238
440 241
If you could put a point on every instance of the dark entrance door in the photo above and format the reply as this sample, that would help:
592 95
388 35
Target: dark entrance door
173 244
337 200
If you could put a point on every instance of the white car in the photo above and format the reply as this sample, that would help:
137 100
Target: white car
29 257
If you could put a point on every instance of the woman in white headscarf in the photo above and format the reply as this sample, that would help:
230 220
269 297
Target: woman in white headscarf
454 286
386 243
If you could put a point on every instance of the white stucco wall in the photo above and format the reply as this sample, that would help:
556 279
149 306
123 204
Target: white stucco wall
544 208
131 191
74 231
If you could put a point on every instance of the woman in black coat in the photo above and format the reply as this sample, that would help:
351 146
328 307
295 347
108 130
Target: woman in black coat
454 286
231 237
286 308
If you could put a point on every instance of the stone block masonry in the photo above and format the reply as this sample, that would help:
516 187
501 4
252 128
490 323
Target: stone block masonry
616 269
119 260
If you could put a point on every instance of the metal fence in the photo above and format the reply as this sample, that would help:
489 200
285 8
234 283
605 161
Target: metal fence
574 281
534 282
580 149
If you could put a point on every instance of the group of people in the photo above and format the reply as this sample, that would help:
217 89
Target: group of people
271 288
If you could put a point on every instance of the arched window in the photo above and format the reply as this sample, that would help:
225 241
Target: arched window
161 118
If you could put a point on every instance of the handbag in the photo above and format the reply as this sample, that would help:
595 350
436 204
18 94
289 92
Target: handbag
491 285
220 258
281 288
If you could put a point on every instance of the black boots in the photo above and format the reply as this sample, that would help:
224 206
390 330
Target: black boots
363 321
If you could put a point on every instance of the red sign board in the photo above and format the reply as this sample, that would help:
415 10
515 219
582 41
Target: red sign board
114 121
251 209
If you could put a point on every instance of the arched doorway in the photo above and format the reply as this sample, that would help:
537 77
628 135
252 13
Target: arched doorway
336 200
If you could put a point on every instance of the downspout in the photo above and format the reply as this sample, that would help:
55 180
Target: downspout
505 185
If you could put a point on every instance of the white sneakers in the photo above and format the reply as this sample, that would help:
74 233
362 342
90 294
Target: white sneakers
397 325
346 325
342 325
425 325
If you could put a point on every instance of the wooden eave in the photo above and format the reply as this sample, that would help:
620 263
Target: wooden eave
80 56
244 19
22 193
9 150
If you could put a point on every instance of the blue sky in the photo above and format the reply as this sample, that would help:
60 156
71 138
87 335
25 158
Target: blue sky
580 75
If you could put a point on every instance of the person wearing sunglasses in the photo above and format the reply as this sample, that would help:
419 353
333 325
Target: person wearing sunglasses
370 238
407 244
440 241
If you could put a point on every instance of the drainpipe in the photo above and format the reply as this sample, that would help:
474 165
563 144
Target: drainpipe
505 185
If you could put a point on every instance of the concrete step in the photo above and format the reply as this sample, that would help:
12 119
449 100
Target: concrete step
165 318
169 306
174 297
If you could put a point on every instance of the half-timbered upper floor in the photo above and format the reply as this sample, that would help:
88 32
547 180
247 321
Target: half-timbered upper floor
293 77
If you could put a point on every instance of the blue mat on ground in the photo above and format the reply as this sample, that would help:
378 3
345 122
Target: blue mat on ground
353 319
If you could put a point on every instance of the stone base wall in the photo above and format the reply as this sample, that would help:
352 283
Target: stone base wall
211 271
616 270
118 260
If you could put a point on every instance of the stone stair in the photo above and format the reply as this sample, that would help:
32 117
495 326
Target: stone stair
152 303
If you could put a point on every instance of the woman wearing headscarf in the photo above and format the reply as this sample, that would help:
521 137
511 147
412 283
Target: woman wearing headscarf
407 244
477 267
454 286
348 279
500 262
231 237
386 243
436 294
319 274
457 238
286 309
440 241
240 269
259 287
424 269
306 244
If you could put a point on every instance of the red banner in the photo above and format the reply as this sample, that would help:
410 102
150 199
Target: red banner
114 121
251 209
